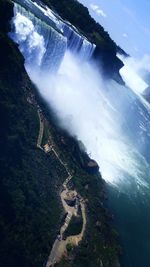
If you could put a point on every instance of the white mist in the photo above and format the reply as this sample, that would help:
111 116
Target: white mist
88 107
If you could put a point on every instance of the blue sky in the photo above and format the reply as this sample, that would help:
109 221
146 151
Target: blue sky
127 21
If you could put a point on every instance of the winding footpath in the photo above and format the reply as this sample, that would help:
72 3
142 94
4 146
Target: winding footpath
41 130
60 245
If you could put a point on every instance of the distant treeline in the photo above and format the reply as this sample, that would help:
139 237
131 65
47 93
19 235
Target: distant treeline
79 16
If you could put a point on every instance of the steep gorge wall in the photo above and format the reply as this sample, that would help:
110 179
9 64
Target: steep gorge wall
108 63
30 210
28 199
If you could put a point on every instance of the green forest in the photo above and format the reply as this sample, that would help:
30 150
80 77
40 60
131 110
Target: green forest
78 15
106 48
30 207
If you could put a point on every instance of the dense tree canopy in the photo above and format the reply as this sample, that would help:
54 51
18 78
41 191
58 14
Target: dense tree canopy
30 210
78 15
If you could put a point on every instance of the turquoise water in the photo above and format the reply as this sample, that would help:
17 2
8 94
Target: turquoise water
129 195
112 122
132 219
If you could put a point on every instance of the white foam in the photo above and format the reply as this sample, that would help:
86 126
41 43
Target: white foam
30 42
130 75
89 108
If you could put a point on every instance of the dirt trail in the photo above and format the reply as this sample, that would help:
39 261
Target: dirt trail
59 246
41 131
76 239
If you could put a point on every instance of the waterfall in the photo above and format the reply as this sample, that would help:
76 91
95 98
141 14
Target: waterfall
74 89
43 37
111 120
42 46
78 43
131 76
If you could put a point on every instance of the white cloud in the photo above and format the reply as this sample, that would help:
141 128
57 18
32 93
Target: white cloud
97 10
101 13
94 7
125 35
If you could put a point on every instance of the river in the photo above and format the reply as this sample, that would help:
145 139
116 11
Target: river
111 120
129 193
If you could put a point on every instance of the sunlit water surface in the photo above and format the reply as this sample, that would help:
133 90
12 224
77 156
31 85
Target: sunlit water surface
111 120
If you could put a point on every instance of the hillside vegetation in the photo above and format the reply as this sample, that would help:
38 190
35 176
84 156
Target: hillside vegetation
78 15
30 211
106 49
30 181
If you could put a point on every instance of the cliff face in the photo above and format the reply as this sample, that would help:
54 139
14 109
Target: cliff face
6 12
30 181
108 63
106 48
28 215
